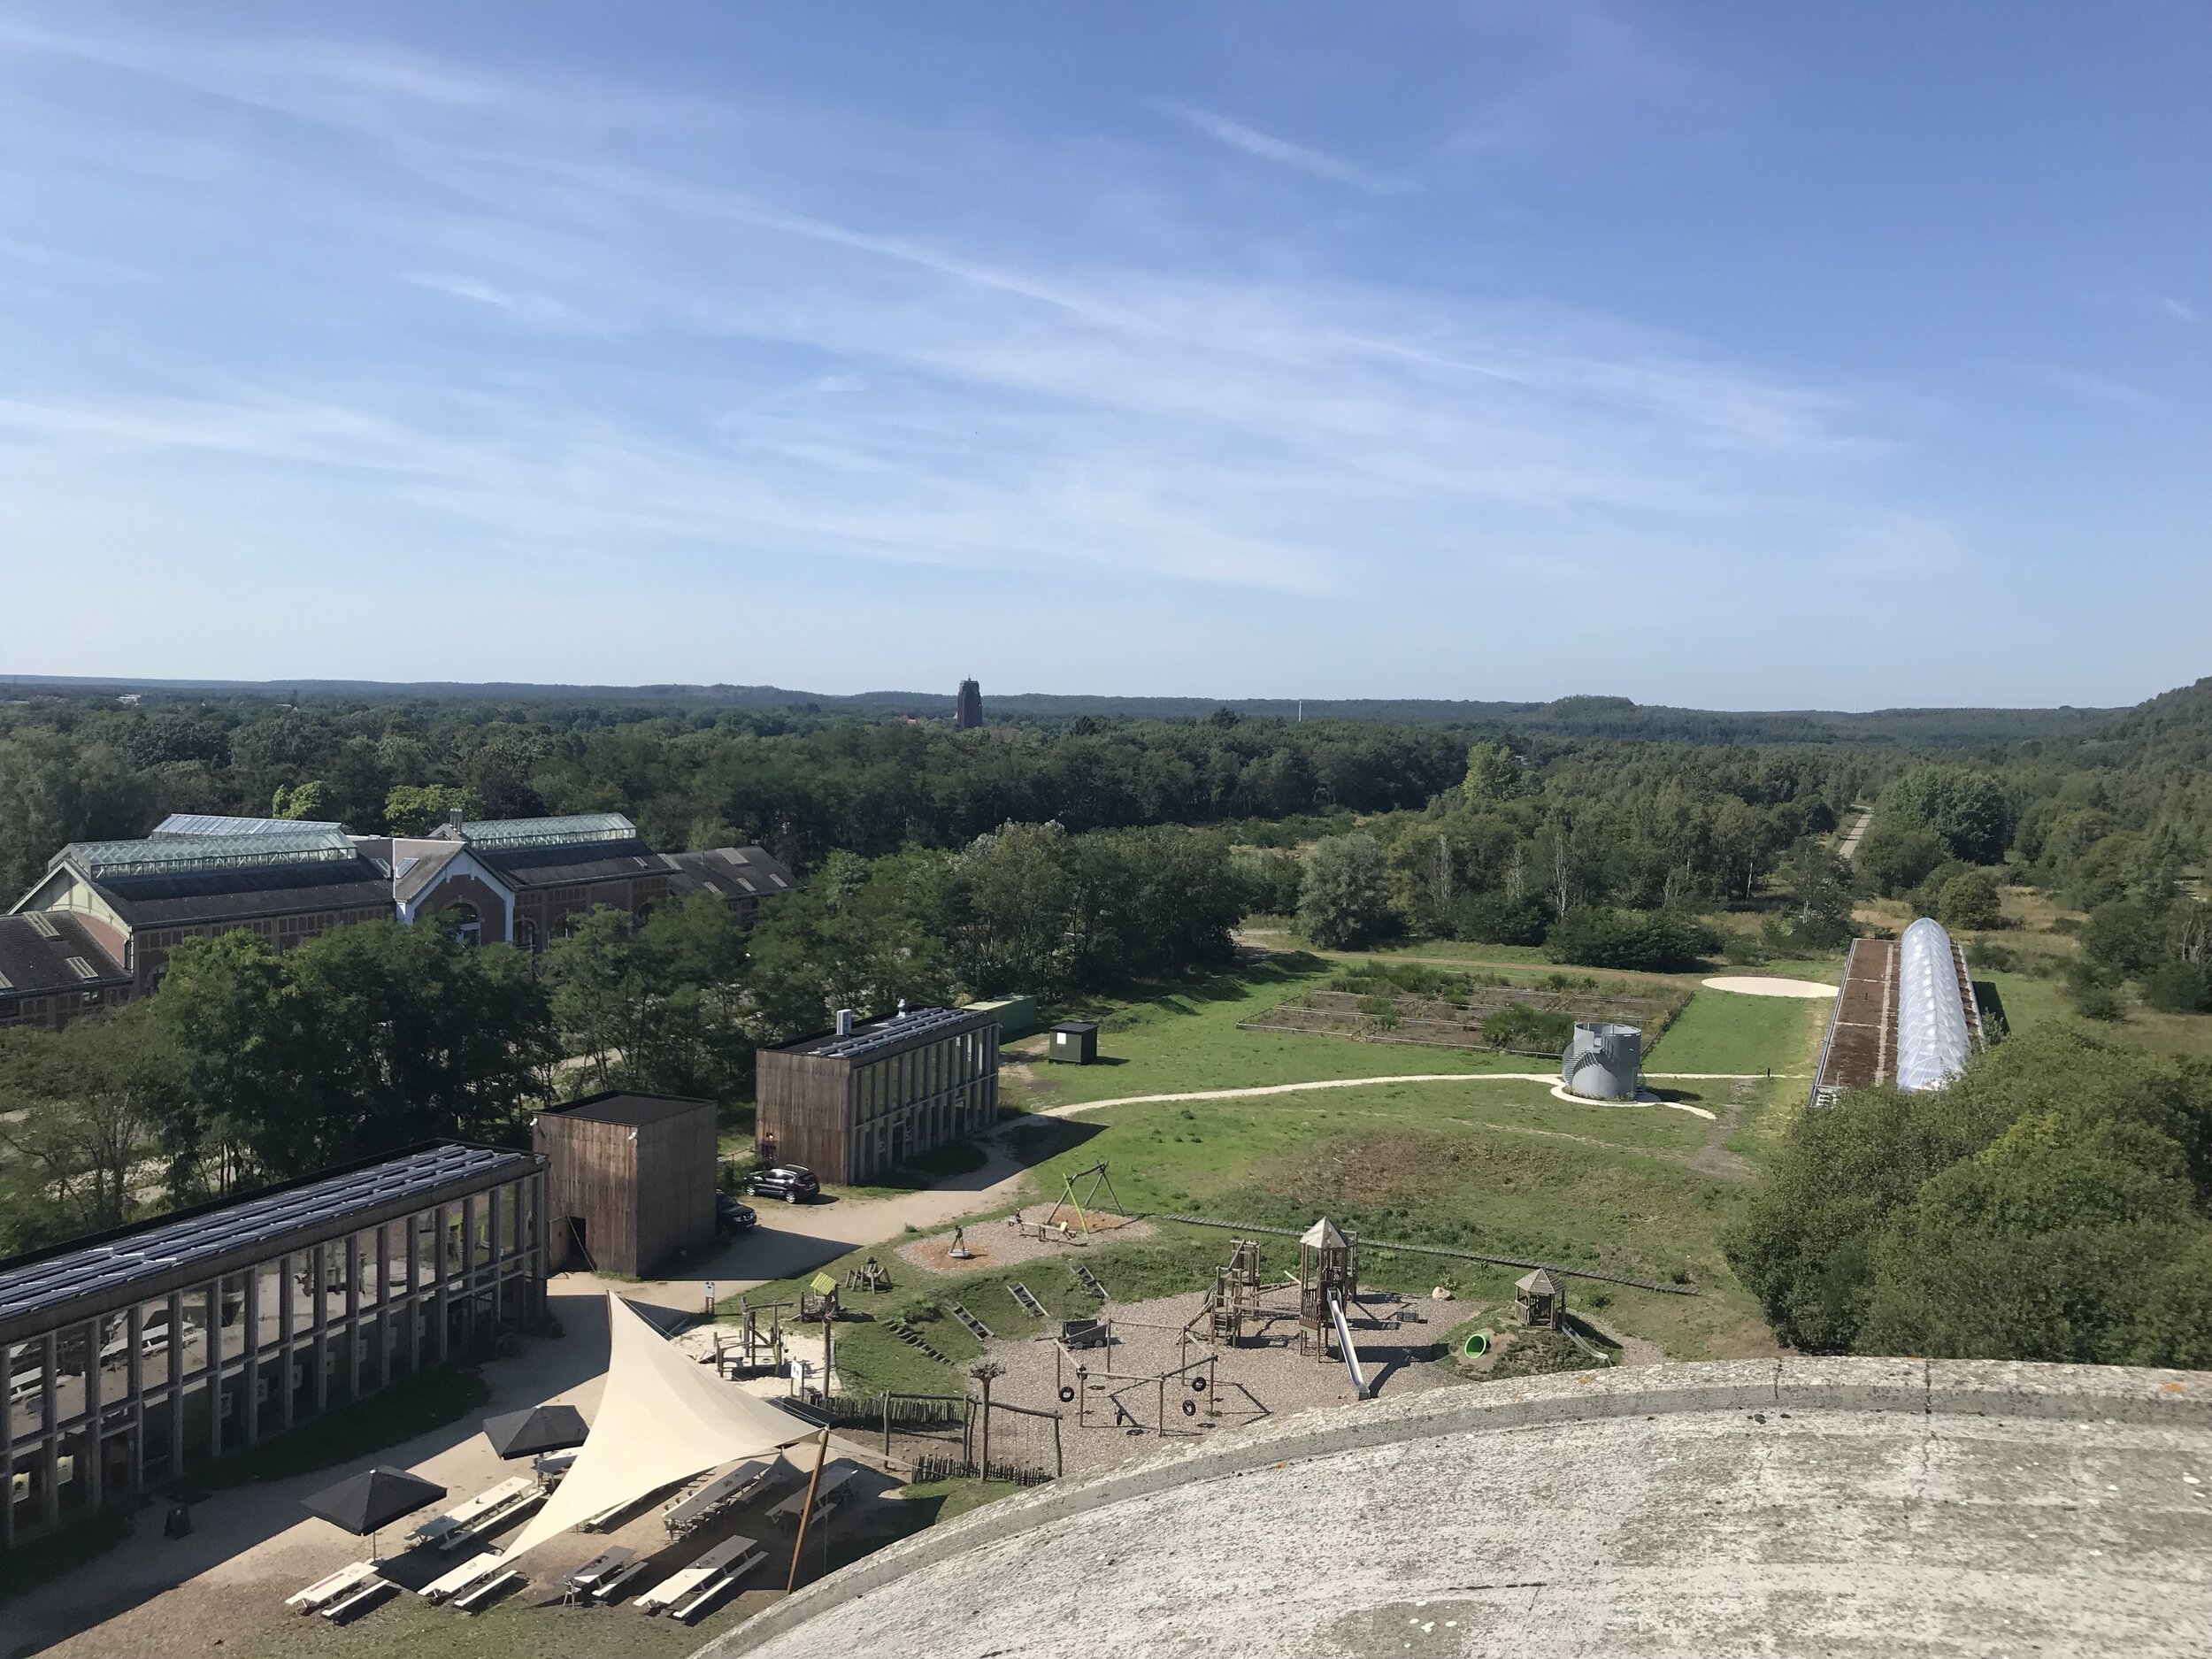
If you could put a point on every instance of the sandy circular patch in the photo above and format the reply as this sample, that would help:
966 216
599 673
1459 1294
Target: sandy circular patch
1768 985
1644 1097
1002 1244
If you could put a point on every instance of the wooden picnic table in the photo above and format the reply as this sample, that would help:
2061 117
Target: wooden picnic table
459 1581
740 1484
827 1495
458 1525
331 1588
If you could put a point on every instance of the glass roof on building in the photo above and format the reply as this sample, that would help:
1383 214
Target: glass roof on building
550 832
216 824
172 855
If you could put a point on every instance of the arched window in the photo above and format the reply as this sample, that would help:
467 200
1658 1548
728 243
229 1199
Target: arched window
467 926
527 934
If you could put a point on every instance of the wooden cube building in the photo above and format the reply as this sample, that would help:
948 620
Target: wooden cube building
630 1180
1074 1042
856 1101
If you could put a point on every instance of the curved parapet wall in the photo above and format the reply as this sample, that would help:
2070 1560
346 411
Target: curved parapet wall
1792 1507
1932 1040
1603 1061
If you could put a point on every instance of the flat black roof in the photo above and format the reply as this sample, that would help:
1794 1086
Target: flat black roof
261 1224
626 1106
1077 1027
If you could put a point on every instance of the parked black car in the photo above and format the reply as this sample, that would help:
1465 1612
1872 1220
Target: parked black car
786 1181
732 1216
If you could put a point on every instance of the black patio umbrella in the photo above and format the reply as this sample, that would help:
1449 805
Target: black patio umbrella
539 1429
365 1502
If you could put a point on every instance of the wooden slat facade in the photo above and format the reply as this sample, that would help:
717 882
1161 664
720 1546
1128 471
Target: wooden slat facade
638 1171
848 1118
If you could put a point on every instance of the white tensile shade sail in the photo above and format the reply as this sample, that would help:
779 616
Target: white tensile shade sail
662 1418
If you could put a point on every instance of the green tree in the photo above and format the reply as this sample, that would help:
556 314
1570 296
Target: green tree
309 800
1894 858
1969 901
2124 939
1965 810
360 1040
1493 773
1344 899
1871 1201
78 1112
418 809
2039 1247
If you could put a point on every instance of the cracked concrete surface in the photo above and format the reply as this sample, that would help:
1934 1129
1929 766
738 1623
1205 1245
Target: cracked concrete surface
1782 1507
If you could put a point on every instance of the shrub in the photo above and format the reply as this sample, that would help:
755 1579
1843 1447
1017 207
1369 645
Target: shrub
1344 899
2179 987
1969 901
1895 858
1518 1026
2094 999
1493 918
1660 942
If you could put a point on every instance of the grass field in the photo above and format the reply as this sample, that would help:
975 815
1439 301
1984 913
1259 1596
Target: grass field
1496 1165
1724 1031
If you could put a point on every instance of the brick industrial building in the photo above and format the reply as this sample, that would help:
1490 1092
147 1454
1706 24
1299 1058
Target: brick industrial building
95 930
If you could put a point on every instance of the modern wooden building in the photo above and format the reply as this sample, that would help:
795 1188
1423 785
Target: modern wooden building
630 1180
863 1099
137 1355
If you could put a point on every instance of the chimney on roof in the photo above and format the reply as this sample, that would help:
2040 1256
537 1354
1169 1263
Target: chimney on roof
844 1022
453 816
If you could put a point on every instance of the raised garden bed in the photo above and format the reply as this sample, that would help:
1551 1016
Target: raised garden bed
1408 1002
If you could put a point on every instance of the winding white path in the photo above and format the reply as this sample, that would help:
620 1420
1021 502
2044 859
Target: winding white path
1075 1106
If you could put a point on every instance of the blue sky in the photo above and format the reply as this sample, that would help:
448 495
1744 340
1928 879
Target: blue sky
1740 356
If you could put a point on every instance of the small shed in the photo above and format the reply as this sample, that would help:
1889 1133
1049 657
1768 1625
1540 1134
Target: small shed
630 1182
1073 1041
1538 1300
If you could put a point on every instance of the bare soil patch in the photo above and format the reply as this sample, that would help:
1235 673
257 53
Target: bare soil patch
1004 1244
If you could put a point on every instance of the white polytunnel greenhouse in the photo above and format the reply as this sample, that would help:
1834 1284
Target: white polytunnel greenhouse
1932 1038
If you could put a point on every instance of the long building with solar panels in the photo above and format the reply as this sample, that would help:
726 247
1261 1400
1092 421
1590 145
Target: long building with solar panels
137 1354
97 929
865 1098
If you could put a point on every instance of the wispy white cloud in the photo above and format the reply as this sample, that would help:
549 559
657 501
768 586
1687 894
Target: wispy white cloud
524 307
1283 153
1033 409
2101 389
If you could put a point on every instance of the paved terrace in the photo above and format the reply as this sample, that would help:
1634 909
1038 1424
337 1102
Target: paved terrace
1781 1508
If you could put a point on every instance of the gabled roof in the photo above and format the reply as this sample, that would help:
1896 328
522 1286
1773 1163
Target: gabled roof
41 951
730 873
1537 1283
239 895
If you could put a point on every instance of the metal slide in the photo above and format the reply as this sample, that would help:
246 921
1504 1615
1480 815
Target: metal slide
1346 1346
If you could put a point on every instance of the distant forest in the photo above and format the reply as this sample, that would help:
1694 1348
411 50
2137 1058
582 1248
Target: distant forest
1576 716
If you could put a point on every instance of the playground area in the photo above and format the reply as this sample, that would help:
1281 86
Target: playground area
1151 1375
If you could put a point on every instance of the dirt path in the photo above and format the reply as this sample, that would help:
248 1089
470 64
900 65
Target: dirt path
1850 844
1713 1158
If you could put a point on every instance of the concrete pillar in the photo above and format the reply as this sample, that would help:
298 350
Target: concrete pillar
251 1378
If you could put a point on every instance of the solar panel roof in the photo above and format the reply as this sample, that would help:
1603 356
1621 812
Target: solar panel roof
895 1032
262 1223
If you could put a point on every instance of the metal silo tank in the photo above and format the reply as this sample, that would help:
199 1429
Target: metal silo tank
1603 1061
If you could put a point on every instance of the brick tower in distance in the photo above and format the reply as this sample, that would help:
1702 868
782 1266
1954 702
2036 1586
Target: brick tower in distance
967 706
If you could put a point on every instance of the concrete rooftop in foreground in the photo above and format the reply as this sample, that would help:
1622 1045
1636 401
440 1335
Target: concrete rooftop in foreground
1792 1507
